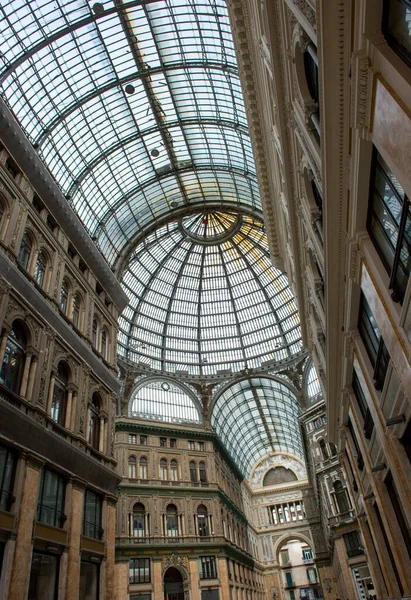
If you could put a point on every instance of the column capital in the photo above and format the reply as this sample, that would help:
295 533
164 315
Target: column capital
33 460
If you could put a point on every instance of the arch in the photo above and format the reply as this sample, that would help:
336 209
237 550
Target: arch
288 537
14 356
311 383
60 392
171 521
202 521
173 402
174 583
174 470
278 475
163 469
139 521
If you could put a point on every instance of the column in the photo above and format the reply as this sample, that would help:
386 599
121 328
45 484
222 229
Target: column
223 577
110 535
51 391
194 579
23 550
101 436
3 343
76 492
157 581
121 579
68 409
25 377
32 378
73 411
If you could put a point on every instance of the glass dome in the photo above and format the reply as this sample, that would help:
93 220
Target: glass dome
204 298
164 401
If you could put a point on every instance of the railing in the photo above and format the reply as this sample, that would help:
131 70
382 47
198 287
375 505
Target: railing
345 517
180 540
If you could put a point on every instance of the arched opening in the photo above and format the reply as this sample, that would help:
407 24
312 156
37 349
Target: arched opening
163 470
104 345
296 558
25 251
40 269
94 425
202 472
173 584
173 470
341 498
193 471
143 467
324 449
132 467
14 357
138 521
171 520
202 521
75 311
60 391
279 475
64 294
94 333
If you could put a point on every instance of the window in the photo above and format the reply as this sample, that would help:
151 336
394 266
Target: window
202 521
353 544
191 445
94 425
43 576
92 515
171 521
143 467
396 24
193 471
143 440
207 567
312 575
389 226
50 503
58 404
139 570
285 557
173 470
307 554
311 71
373 342
399 511
317 423
40 269
14 358
25 251
341 497
104 345
75 315
7 469
138 520
173 443
289 579
200 445
132 467
163 470
163 442
324 449
64 293
89 580
94 334
202 472
132 438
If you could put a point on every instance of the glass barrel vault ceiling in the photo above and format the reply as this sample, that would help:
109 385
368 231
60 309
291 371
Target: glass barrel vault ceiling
125 160
255 417
204 297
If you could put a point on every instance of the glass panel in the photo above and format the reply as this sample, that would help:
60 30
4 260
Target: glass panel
43 576
7 466
89 579
171 403
397 26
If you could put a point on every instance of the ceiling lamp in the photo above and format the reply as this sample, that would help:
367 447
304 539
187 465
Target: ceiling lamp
155 152
129 89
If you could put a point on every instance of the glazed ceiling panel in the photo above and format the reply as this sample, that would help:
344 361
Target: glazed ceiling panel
255 417
136 109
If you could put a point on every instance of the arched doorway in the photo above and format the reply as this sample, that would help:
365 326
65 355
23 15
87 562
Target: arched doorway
173 584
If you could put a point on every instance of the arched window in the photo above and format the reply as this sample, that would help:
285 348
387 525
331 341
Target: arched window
202 521
64 293
40 269
132 467
14 358
163 470
75 313
25 251
193 471
94 335
94 424
139 521
104 346
59 401
341 497
143 467
202 472
311 71
324 449
173 470
171 521
333 449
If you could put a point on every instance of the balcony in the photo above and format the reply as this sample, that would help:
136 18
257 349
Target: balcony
179 540
341 518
